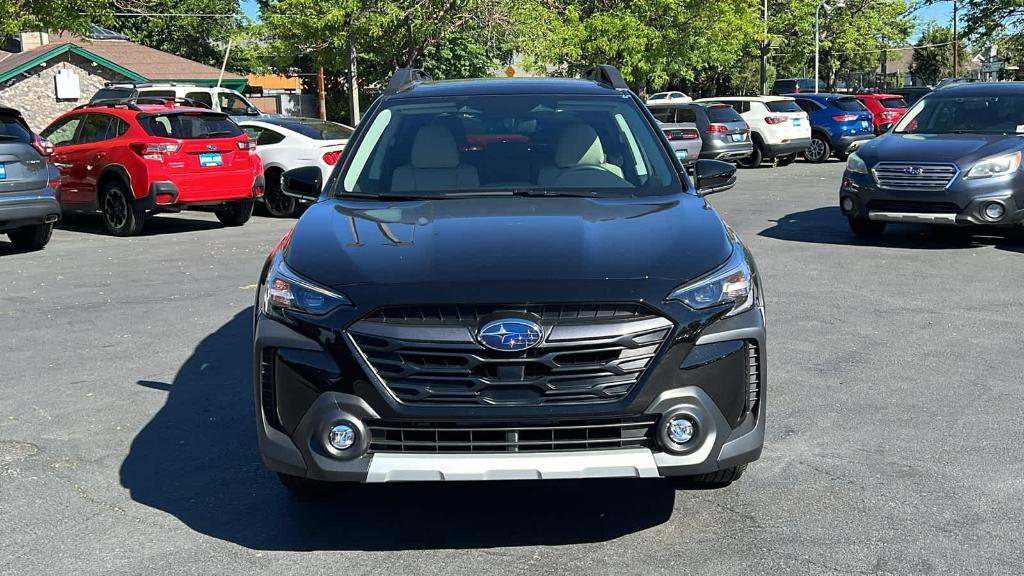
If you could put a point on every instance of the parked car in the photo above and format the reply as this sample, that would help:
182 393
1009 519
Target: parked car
953 159
508 279
28 184
885 108
723 133
125 160
286 143
779 129
839 124
683 136
796 86
218 99
911 94
669 96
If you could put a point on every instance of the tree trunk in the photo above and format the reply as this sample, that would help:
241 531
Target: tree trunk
321 97
353 81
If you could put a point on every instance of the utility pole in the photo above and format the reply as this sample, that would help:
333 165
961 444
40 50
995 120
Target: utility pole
353 81
765 47
956 44
321 97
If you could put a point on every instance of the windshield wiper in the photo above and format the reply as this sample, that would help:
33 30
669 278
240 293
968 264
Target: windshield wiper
555 193
217 133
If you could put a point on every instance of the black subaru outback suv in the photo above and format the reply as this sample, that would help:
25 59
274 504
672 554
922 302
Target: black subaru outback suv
509 279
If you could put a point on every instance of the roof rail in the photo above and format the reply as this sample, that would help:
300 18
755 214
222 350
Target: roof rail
404 78
110 103
607 75
132 103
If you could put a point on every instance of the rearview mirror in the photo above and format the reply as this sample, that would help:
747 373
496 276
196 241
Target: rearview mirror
713 176
302 183
884 127
252 111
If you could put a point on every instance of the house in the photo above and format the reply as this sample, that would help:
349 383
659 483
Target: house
45 75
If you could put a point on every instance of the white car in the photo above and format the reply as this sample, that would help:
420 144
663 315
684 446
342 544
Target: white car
223 100
286 143
778 127
669 97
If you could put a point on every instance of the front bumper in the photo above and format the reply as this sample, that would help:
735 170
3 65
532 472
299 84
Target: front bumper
961 204
296 444
27 208
715 150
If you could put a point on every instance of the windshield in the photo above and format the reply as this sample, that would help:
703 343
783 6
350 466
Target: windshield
190 125
523 143
849 105
11 128
892 102
965 115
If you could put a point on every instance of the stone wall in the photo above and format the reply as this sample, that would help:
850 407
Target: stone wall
35 94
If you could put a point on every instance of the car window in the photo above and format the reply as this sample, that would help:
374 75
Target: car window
203 98
849 105
157 94
685 115
190 125
14 129
784 86
117 127
112 94
522 142
658 97
892 102
807 105
94 128
723 113
231 104
663 114
782 106
252 132
268 137
320 129
965 114
62 132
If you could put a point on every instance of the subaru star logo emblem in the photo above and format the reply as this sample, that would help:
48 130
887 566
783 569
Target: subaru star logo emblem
211 146
913 170
509 334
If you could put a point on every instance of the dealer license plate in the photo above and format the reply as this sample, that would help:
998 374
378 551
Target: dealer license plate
210 159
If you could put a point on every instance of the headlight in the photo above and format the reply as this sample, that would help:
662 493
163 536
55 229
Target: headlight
995 166
286 290
732 283
855 164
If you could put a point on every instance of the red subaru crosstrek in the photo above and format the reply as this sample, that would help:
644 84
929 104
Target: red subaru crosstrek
885 108
127 159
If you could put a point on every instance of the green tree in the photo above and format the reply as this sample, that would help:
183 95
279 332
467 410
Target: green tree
201 37
72 15
994 18
933 55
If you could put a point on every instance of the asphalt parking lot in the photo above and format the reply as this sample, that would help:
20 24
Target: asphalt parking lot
894 432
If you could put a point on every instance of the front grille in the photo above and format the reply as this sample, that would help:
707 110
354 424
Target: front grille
912 207
909 176
588 353
552 437
460 314
267 395
753 376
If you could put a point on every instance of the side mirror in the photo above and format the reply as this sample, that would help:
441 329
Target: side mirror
713 176
885 127
252 111
302 183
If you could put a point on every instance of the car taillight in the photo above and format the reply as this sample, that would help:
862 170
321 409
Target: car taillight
331 158
246 144
42 145
668 134
690 134
155 151
776 119
888 114
718 128
845 117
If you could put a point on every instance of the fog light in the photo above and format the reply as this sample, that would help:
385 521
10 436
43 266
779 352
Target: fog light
994 211
342 436
681 430
847 204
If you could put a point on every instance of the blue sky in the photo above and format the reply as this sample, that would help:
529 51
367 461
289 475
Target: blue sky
941 12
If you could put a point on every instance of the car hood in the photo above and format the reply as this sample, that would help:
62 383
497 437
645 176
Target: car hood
554 242
961 149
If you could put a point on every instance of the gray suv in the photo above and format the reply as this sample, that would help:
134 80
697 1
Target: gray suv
723 132
28 203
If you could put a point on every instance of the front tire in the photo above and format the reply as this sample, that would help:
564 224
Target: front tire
117 208
785 160
818 150
865 228
31 238
755 158
235 213
275 201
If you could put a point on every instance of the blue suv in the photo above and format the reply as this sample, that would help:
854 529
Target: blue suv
839 125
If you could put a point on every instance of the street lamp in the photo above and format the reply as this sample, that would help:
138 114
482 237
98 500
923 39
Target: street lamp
817 36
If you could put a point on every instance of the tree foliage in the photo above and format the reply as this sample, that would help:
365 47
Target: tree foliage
72 15
201 37
933 63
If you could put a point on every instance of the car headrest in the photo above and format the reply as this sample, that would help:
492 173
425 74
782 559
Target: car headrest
434 147
579 146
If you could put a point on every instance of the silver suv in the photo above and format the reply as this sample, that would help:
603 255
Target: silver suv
28 182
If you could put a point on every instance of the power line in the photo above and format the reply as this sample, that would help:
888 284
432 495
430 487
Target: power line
936 45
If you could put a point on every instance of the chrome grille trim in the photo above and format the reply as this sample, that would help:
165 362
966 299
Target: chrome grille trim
934 176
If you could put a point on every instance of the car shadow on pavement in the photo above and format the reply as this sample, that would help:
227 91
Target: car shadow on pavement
197 460
827 225
155 225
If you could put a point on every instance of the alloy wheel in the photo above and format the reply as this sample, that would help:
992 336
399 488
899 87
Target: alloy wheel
815 150
115 209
